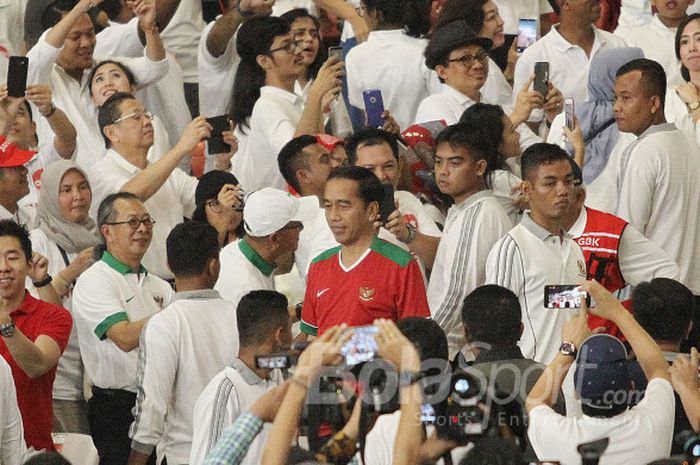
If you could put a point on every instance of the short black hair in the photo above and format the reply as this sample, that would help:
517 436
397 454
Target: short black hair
259 313
664 308
292 159
540 154
47 458
127 72
369 187
8 228
190 246
109 112
653 76
471 138
369 137
426 335
491 314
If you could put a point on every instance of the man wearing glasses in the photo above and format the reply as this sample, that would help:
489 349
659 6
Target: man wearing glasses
166 190
112 301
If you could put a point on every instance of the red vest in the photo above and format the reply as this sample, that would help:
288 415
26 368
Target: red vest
600 243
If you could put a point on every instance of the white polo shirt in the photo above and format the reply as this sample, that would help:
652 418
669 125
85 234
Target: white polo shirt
568 64
73 97
471 229
392 62
181 36
12 446
496 89
165 97
272 124
68 384
229 394
641 434
106 293
181 349
525 260
511 12
168 206
657 182
449 104
314 239
243 270
216 75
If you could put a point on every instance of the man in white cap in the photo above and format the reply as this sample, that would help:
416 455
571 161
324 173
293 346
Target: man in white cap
272 220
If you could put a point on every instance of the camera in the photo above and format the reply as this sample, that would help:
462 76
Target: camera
463 415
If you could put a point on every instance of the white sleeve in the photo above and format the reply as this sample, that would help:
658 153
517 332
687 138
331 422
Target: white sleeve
146 71
120 40
658 407
186 186
12 445
42 57
100 304
430 109
504 266
544 427
642 260
216 409
637 190
157 369
275 127
634 13
353 75
380 440
556 134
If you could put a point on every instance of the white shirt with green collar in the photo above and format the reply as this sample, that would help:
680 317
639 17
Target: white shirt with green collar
243 270
107 293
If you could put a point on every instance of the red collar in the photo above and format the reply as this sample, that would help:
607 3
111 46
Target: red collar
28 305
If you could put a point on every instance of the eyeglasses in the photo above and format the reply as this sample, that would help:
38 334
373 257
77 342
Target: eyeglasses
216 206
289 48
136 116
135 223
468 60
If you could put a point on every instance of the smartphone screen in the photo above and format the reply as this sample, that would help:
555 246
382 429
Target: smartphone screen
569 113
527 33
541 83
427 414
361 347
561 296
216 142
17 76
272 361
388 204
335 52
374 107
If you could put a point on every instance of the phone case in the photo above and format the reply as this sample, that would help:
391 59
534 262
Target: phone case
17 76
541 77
216 142
374 107
388 204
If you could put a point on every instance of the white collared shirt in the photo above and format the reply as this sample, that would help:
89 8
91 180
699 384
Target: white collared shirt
314 239
181 349
471 229
168 206
392 62
659 193
496 89
243 270
272 124
568 63
525 260
216 75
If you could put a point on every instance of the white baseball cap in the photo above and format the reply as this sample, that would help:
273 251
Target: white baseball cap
268 210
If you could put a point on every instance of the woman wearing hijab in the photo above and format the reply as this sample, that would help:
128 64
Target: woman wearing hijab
66 236
602 140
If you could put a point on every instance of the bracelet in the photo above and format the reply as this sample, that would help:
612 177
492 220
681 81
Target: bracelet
298 382
245 14
44 282
51 111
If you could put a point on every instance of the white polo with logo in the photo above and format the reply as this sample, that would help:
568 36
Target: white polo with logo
107 293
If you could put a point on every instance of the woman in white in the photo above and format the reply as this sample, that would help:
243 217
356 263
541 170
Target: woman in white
66 236
683 103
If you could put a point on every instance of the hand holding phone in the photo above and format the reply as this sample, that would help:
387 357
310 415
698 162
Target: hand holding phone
541 83
17 76
361 347
374 107
569 113
563 296
336 52
216 142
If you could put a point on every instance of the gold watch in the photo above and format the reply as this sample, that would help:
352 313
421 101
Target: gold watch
694 106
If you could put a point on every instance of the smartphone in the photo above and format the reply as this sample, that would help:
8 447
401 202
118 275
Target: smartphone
541 77
374 107
569 113
336 52
388 204
565 296
527 34
273 361
361 347
216 142
17 76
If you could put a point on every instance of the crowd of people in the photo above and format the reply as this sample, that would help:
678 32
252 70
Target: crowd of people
350 231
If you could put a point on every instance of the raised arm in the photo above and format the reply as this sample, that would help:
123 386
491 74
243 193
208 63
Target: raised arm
57 35
226 26
65 135
326 85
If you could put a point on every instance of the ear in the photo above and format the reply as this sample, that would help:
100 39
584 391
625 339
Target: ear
441 71
214 267
110 132
264 61
303 177
481 167
105 232
526 187
372 211
655 104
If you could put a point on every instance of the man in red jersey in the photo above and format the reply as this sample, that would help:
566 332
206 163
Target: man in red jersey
365 278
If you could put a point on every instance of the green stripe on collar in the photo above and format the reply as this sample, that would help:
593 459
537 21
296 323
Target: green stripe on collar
118 266
254 258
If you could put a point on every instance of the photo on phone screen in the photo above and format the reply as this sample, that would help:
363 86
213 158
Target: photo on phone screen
272 361
527 34
569 113
541 83
388 204
336 52
374 107
216 142
17 76
361 347
564 296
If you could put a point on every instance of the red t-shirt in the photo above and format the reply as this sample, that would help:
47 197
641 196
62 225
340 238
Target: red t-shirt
385 283
34 396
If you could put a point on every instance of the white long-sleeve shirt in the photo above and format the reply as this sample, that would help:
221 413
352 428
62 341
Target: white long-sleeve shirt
180 350
12 446
471 229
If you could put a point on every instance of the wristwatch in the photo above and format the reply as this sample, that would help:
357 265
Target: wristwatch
407 378
693 106
567 348
411 233
7 329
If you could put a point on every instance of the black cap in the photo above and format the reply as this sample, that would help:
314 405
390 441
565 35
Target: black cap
208 187
449 37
